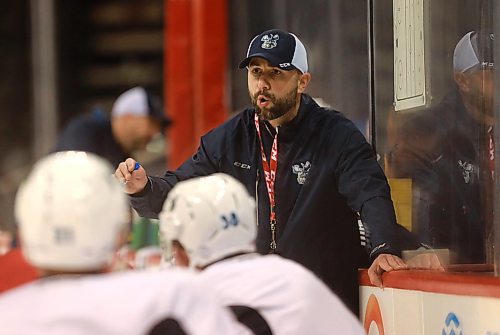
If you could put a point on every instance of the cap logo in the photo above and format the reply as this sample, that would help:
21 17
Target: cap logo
269 41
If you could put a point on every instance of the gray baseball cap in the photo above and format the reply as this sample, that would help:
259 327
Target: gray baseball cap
474 49
138 101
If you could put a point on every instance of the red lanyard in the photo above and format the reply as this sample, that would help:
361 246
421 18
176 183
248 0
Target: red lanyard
270 174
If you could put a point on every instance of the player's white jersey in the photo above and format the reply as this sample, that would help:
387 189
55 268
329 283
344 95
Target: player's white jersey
288 296
122 303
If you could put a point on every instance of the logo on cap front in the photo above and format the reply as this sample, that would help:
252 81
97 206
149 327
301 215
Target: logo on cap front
269 41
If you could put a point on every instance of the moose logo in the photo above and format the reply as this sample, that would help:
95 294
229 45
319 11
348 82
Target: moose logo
269 41
467 170
301 170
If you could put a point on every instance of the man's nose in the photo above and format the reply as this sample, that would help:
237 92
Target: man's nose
263 83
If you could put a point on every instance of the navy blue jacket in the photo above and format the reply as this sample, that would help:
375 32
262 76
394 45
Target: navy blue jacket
92 133
327 173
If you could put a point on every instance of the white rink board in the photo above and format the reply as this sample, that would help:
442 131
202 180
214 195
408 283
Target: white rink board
416 312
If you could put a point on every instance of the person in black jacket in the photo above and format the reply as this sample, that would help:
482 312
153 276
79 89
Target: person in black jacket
316 181
136 117
448 151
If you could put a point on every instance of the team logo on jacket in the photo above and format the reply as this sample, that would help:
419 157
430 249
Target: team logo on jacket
301 170
467 170
269 41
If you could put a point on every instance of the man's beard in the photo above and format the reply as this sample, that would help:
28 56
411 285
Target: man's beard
280 106
482 103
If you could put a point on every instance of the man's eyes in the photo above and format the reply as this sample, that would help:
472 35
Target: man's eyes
275 72
259 71
255 70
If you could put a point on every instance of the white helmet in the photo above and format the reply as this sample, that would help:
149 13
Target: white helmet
211 217
70 211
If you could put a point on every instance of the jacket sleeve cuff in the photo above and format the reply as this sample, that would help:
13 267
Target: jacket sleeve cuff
148 188
383 248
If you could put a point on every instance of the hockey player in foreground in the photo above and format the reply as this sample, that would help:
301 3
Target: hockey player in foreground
71 214
209 224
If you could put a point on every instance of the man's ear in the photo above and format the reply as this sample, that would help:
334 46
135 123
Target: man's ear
304 80
462 81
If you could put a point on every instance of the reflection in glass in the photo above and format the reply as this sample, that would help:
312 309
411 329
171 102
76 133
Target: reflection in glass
448 152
